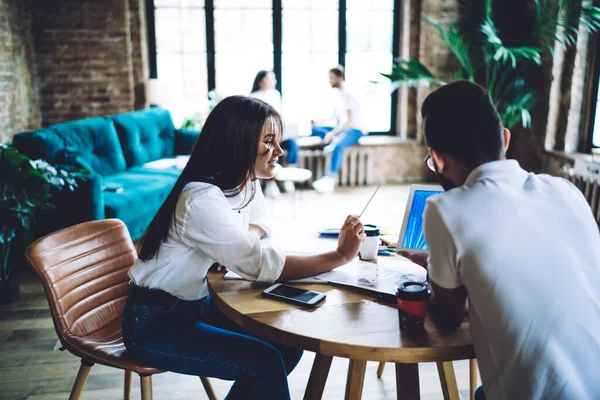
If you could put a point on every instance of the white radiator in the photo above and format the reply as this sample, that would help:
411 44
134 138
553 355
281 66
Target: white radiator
357 166
589 184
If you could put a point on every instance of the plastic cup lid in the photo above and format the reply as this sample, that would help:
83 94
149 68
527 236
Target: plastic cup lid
411 290
372 230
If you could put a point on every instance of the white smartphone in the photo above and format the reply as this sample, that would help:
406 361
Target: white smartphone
295 295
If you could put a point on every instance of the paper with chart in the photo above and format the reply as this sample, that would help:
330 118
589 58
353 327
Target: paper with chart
383 277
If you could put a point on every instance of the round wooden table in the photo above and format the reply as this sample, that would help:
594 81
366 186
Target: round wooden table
347 324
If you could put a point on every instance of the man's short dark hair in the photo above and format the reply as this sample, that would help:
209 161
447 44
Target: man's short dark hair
338 71
461 120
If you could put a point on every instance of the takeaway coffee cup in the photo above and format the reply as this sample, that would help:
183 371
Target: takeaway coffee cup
368 248
412 299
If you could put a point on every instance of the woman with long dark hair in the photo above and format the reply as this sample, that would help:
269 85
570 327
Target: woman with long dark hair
215 214
263 88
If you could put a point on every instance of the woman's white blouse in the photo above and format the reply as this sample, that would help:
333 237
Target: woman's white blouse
209 229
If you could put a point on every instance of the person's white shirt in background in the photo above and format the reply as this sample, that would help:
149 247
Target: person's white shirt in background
271 97
527 249
293 127
347 101
208 229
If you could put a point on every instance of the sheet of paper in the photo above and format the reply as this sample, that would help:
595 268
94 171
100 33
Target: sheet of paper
382 278
230 275
313 279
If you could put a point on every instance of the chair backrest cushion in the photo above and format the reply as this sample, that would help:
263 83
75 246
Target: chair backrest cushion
146 135
94 140
84 272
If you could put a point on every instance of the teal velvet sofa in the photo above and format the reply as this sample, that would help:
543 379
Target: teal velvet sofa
121 153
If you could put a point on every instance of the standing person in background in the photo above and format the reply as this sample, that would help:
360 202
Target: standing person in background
263 89
347 132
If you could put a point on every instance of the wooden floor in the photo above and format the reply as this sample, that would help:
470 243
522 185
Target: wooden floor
32 367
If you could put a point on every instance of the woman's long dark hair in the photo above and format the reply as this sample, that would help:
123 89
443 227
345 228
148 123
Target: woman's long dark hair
258 79
224 155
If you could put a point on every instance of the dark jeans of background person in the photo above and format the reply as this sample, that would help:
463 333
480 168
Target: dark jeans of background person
194 338
293 151
479 395
340 142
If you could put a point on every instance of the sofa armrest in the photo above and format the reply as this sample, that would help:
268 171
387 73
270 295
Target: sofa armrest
185 140
88 197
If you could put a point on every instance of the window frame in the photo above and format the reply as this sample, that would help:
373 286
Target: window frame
593 103
277 48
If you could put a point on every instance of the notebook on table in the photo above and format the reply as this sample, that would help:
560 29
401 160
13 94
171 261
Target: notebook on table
363 275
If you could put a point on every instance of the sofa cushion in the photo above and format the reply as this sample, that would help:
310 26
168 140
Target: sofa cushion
146 135
143 194
94 140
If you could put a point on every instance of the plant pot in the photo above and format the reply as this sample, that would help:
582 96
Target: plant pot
9 290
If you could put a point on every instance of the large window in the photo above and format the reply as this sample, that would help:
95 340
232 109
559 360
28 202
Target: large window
221 44
309 50
181 55
369 26
243 43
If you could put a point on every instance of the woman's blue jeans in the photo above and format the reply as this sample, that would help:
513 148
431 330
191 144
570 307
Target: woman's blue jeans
195 338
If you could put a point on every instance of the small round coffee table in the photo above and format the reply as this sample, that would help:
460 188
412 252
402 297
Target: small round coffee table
294 175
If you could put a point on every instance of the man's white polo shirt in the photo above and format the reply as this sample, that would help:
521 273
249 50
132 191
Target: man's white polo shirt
527 249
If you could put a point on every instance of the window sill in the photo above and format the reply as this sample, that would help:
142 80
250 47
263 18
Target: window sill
591 158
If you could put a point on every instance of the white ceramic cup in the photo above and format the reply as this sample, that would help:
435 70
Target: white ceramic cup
368 248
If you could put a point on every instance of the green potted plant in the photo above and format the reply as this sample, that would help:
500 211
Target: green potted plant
196 121
26 187
486 57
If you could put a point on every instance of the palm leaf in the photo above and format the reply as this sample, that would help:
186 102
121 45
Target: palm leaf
560 21
512 96
410 73
505 54
456 42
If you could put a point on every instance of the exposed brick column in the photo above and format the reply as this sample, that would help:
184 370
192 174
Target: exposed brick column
19 94
433 51
410 43
139 53
84 58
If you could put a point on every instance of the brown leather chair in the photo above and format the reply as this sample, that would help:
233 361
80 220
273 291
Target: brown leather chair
84 272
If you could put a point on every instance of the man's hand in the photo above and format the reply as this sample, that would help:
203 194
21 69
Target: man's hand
417 258
216 267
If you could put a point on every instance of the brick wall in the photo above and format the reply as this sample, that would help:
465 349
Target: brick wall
139 53
84 61
19 94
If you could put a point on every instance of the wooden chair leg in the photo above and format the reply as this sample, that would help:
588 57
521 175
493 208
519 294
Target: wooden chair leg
318 377
356 379
473 378
448 380
82 375
127 386
146 384
380 369
407 381
208 388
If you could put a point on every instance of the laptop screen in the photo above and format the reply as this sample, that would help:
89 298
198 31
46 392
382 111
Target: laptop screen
414 237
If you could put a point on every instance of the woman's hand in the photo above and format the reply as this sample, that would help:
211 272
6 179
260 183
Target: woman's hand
258 230
351 236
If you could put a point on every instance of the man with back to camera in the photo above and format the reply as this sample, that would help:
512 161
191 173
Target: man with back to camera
523 248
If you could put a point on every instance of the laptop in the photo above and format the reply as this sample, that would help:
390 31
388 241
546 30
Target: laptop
412 238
